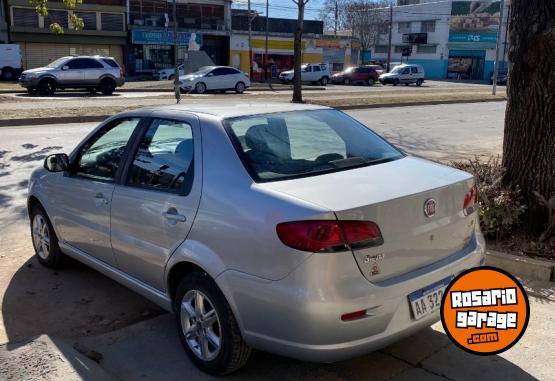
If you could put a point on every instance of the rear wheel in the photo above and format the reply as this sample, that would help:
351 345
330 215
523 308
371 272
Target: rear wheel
200 88
47 86
419 82
107 86
45 241
207 327
8 74
171 77
396 82
240 88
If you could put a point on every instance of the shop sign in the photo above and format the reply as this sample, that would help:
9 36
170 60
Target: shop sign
327 43
275 44
474 21
163 37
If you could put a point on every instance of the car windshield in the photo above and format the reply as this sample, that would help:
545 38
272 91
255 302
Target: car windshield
397 69
297 144
57 62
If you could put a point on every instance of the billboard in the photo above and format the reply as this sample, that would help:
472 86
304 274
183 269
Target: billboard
165 37
474 21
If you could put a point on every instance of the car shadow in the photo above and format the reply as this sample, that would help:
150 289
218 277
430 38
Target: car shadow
73 301
68 94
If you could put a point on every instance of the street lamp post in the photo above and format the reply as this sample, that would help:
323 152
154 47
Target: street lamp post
176 89
496 67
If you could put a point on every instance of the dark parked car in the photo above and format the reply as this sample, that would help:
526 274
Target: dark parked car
361 74
502 77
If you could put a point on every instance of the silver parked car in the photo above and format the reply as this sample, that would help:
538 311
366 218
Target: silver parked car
94 73
210 78
291 229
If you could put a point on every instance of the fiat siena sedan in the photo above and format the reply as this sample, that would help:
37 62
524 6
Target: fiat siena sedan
291 229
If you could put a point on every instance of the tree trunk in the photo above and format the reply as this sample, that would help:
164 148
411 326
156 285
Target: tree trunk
297 56
529 144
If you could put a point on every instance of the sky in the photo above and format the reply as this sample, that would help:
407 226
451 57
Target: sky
282 8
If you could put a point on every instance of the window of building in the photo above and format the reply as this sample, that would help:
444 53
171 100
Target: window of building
112 21
405 27
380 49
428 26
399 48
427 49
25 17
54 16
383 28
89 20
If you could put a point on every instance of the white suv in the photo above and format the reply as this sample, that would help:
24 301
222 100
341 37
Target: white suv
309 73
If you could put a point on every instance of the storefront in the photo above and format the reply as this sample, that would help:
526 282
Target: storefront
466 64
152 50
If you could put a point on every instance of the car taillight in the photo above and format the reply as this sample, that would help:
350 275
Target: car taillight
329 236
469 205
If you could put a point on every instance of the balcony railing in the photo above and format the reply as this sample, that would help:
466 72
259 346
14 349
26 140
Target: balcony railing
206 23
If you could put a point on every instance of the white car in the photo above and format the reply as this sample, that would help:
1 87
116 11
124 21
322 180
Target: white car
406 74
169 73
215 78
309 73
10 61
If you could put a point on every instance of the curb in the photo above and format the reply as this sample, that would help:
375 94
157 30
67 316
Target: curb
534 269
408 104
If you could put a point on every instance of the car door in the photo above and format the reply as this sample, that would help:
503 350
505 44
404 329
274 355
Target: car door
72 72
405 75
82 197
316 73
92 70
414 73
155 203
212 80
306 74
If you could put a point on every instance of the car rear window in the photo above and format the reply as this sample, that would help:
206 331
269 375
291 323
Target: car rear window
295 144
110 62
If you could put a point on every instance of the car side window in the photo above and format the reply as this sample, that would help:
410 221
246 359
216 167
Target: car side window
317 68
101 155
406 71
164 159
84 63
414 70
219 71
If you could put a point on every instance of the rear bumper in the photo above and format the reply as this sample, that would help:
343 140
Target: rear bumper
299 316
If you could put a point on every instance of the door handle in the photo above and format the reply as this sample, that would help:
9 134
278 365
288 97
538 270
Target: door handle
173 216
100 200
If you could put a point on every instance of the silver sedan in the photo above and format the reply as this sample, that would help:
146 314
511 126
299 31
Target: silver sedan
291 229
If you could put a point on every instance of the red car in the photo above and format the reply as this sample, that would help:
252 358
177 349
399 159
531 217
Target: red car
361 74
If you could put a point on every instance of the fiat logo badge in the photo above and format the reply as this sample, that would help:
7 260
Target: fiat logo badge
430 207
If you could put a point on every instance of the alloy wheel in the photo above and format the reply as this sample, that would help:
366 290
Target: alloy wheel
41 237
201 325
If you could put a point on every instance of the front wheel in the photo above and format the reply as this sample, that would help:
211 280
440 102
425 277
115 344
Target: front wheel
324 81
200 88
8 74
370 81
45 241
47 86
240 88
347 81
207 327
395 82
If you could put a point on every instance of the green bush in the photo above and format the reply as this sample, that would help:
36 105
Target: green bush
500 206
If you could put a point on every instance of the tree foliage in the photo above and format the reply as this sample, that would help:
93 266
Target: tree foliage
41 6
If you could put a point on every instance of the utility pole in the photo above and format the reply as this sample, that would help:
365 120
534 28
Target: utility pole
336 18
390 36
266 45
496 68
176 89
249 19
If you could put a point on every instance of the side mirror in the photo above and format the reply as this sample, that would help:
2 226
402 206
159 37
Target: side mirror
65 67
210 74
58 162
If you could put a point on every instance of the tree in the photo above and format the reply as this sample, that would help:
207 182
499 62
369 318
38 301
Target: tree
297 54
41 6
529 144
367 20
333 15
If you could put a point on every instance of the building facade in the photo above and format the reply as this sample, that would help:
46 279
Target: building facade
3 23
203 33
450 39
104 31
316 47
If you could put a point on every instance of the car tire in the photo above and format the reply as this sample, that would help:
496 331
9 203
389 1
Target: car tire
45 241
32 91
240 88
200 88
224 350
107 86
324 81
171 77
407 84
396 82
8 74
47 86
370 81
419 82
346 81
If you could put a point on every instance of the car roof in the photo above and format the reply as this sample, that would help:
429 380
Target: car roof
228 110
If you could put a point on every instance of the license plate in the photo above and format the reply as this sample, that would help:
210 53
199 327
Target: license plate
427 300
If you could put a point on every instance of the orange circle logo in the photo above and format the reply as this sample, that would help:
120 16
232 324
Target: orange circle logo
485 311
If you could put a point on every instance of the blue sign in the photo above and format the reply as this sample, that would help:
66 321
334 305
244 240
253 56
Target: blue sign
163 37
472 37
